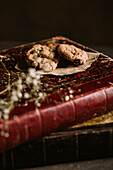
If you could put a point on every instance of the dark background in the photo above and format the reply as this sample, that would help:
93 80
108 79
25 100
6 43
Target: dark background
89 22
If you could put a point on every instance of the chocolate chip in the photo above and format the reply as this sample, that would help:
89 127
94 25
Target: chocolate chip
32 52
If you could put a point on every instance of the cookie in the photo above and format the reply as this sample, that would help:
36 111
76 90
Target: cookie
43 57
53 46
72 53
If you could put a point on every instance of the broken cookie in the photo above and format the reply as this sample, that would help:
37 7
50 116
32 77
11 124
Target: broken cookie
43 57
72 53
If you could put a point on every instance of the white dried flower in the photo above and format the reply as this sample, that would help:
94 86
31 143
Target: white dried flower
26 95
37 77
2 102
79 90
32 72
6 111
19 86
71 96
23 75
2 133
14 92
70 91
40 95
19 81
19 94
14 98
50 89
6 134
35 82
66 98
38 104
28 80
6 116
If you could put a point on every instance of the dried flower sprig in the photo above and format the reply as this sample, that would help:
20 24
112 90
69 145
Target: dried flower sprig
26 87
1 57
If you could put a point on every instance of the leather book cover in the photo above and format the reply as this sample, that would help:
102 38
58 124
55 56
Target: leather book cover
89 140
92 96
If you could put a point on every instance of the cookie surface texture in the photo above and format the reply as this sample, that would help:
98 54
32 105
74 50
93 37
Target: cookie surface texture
42 56
72 53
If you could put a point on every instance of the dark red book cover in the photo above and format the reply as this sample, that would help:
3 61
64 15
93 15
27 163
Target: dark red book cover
93 96
89 140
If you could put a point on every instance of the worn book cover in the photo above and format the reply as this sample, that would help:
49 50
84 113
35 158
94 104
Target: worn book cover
89 140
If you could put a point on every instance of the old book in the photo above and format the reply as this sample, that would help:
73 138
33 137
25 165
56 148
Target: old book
89 140
93 96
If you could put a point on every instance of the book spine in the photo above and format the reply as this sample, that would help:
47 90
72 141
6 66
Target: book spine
61 147
34 124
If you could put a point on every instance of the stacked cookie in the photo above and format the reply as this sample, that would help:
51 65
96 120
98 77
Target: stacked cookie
47 57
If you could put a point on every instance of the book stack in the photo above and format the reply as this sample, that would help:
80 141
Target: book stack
41 137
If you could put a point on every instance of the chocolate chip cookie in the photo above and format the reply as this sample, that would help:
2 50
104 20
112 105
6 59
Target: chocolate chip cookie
43 57
72 53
